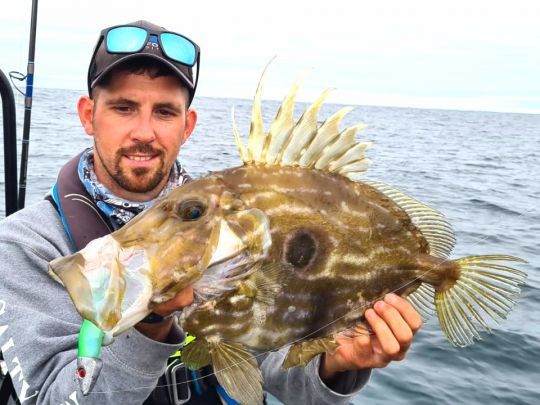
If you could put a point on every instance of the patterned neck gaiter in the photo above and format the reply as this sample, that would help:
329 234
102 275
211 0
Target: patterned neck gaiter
121 211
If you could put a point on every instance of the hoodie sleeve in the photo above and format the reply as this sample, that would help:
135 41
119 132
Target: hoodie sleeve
299 385
39 325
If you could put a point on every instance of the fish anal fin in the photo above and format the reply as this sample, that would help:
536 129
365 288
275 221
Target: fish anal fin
300 354
196 354
423 300
237 371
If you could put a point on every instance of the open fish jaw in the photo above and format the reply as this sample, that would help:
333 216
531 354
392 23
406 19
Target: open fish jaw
95 281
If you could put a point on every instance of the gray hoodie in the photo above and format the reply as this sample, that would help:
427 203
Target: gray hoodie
39 328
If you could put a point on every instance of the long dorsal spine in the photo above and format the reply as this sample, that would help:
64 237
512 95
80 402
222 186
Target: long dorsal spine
304 143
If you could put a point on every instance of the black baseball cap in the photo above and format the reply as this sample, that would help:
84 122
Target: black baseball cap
103 61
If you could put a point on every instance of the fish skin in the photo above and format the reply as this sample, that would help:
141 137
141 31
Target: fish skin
361 246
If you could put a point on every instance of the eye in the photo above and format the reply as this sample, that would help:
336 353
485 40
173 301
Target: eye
166 113
191 210
122 109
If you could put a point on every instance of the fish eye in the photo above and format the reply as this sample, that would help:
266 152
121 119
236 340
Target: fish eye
191 210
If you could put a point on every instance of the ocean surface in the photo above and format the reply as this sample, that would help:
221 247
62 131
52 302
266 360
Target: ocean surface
481 169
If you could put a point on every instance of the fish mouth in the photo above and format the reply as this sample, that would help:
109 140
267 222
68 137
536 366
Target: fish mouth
110 283
94 282
239 242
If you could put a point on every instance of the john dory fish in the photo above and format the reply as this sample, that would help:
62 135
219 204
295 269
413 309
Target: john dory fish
287 248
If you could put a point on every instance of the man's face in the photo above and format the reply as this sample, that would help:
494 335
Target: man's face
138 124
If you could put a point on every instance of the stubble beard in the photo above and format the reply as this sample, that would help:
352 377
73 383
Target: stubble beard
138 180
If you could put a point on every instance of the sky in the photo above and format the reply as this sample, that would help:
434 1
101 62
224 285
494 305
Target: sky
459 54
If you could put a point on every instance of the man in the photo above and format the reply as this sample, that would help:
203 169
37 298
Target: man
141 83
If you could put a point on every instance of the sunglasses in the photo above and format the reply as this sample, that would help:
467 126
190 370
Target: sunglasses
126 39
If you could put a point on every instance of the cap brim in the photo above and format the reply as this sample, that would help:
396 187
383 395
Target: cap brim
182 76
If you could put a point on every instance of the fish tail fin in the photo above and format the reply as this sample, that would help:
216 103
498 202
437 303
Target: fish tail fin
484 289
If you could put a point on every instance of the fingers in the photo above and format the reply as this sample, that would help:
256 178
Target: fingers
355 352
179 301
407 311
394 322
388 342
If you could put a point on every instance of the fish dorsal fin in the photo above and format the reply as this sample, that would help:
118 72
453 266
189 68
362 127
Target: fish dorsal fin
305 143
257 136
433 225
237 371
282 126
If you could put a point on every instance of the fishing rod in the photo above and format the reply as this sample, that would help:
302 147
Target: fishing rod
7 389
28 105
10 144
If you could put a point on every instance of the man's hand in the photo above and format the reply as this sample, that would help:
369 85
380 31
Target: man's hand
394 322
160 331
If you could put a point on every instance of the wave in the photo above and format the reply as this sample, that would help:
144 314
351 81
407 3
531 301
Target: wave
494 207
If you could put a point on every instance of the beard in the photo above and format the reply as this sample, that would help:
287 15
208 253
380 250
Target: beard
137 180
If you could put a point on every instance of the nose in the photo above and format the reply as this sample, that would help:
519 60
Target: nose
144 129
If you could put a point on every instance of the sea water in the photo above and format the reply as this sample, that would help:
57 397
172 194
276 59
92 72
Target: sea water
480 169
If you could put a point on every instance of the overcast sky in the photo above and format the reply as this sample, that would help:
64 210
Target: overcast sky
473 54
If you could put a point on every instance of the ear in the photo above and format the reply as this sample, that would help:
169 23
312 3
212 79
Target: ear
85 108
191 120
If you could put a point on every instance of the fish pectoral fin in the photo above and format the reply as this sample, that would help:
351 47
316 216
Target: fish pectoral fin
268 281
196 354
300 354
238 372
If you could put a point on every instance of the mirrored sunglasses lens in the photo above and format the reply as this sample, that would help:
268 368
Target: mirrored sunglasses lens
178 48
126 39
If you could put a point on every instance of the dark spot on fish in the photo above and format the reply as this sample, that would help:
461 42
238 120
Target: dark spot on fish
300 248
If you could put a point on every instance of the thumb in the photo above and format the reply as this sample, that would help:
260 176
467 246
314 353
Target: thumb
181 300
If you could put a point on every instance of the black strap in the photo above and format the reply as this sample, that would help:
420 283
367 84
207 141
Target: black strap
82 218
